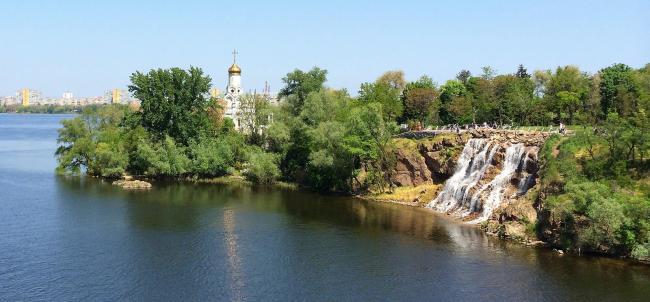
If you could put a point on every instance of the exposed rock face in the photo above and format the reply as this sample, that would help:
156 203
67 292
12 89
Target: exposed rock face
410 170
132 184
499 194
429 161
436 161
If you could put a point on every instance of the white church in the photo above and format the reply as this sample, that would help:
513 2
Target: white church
234 91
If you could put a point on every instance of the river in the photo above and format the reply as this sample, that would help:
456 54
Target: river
82 239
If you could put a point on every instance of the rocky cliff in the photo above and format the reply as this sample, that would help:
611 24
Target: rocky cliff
484 176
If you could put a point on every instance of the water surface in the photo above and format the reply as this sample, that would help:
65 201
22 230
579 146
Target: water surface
75 238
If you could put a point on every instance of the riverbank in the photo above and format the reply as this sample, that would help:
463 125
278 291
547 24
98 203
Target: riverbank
43 109
545 196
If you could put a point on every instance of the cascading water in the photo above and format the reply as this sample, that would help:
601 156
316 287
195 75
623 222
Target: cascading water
528 180
459 196
512 160
474 160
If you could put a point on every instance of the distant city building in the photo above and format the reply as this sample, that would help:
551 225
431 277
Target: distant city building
68 96
117 96
28 97
8 100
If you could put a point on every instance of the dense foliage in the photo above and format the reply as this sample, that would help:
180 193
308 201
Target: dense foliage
597 189
595 184
171 135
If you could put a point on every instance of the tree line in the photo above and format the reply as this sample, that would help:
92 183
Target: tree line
324 137
594 185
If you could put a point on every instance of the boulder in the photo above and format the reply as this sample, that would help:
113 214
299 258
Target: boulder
132 184
410 170
439 165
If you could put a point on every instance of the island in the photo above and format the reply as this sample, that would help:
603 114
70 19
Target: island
557 158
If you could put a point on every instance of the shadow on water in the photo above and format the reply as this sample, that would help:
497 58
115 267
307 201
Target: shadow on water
183 207
179 206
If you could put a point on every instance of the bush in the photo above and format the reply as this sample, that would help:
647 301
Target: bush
262 167
93 141
211 157
641 252
163 158
110 161
592 197
606 223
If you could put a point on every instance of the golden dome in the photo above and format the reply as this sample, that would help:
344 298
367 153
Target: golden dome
234 68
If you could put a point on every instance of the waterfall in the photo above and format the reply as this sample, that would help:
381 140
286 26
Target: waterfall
528 180
474 160
459 195
511 162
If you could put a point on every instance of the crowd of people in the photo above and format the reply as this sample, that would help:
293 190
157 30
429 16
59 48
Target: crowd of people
561 128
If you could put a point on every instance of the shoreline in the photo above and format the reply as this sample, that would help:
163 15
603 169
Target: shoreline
381 198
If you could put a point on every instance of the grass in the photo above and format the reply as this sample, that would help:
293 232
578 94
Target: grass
423 193
411 146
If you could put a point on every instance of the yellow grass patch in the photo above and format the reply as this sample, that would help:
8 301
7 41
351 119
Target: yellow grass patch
423 194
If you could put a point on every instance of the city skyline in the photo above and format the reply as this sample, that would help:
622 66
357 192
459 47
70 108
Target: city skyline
87 48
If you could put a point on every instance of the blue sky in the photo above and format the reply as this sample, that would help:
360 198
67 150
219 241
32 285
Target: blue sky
88 47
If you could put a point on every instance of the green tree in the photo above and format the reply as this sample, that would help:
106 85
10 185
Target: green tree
522 73
93 140
513 98
618 90
394 79
324 105
211 157
161 158
299 84
421 105
385 95
368 140
173 102
482 93
463 76
451 90
566 93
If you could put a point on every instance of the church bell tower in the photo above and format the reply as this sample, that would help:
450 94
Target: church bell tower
233 91
234 77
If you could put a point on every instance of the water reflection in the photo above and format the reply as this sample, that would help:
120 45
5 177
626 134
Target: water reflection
234 261
298 237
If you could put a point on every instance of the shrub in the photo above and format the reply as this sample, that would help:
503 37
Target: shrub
211 157
262 167
162 158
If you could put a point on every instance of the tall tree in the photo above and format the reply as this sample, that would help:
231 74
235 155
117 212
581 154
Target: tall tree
566 93
488 72
483 96
394 79
384 94
451 90
522 73
420 99
173 102
618 90
464 76
298 85
421 105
